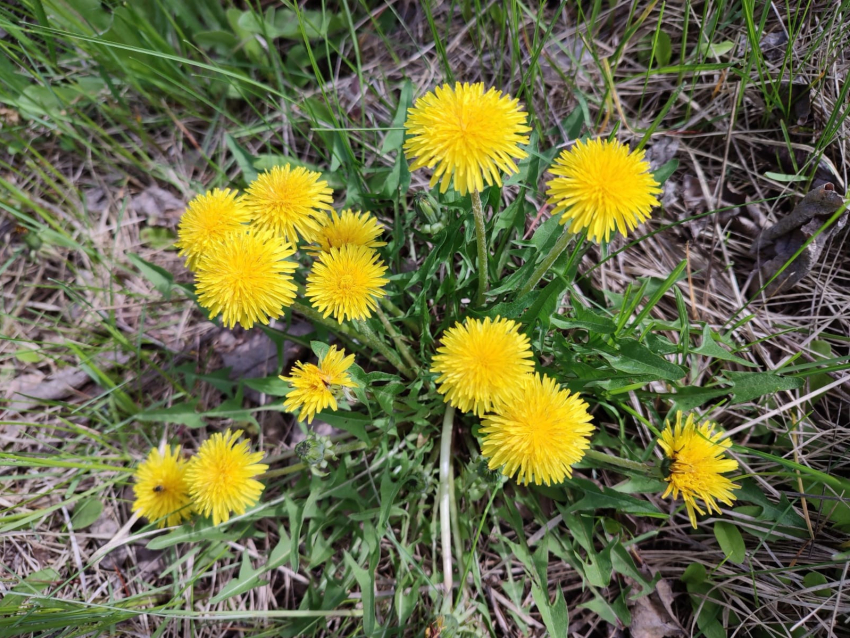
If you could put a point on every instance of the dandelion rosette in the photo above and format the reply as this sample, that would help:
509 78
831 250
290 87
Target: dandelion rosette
161 490
479 361
351 227
313 385
697 466
208 219
602 186
346 282
538 432
467 134
246 278
221 476
289 201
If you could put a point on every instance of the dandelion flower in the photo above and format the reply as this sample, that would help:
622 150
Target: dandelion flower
697 463
162 494
479 361
539 430
359 229
346 282
465 133
289 201
207 220
246 278
603 187
313 385
221 476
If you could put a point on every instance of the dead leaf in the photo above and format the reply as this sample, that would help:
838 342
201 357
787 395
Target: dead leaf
155 202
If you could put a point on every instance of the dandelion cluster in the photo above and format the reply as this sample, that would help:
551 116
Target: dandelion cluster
216 481
242 249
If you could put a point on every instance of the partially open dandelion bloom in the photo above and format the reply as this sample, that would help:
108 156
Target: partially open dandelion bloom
479 361
603 187
246 278
696 452
289 201
162 494
221 476
537 432
346 282
359 229
466 134
208 219
313 385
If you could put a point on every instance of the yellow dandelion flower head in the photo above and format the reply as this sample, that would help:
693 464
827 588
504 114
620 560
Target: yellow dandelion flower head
602 186
346 282
479 360
359 229
289 201
208 219
162 494
696 452
313 385
221 476
467 134
246 278
538 432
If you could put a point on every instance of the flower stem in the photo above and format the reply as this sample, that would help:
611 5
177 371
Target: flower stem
546 264
481 240
363 334
374 341
398 341
635 466
445 506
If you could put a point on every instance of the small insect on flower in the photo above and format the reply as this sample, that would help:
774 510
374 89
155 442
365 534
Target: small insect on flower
207 220
246 278
346 282
221 476
538 432
480 360
351 227
289 201
314 387
162 494
466 134
696 465
603 187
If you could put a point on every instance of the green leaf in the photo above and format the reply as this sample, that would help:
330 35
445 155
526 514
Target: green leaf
555 616
244 160
709 348
546 304
157 237
161 279
586 319
596 497
181 413
86 512
201 530
751 385
395 137
34 583
690 397
663 49
366 580
635 358
248 579
731 541
663 172
813 579
352 422
273 386
694 574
